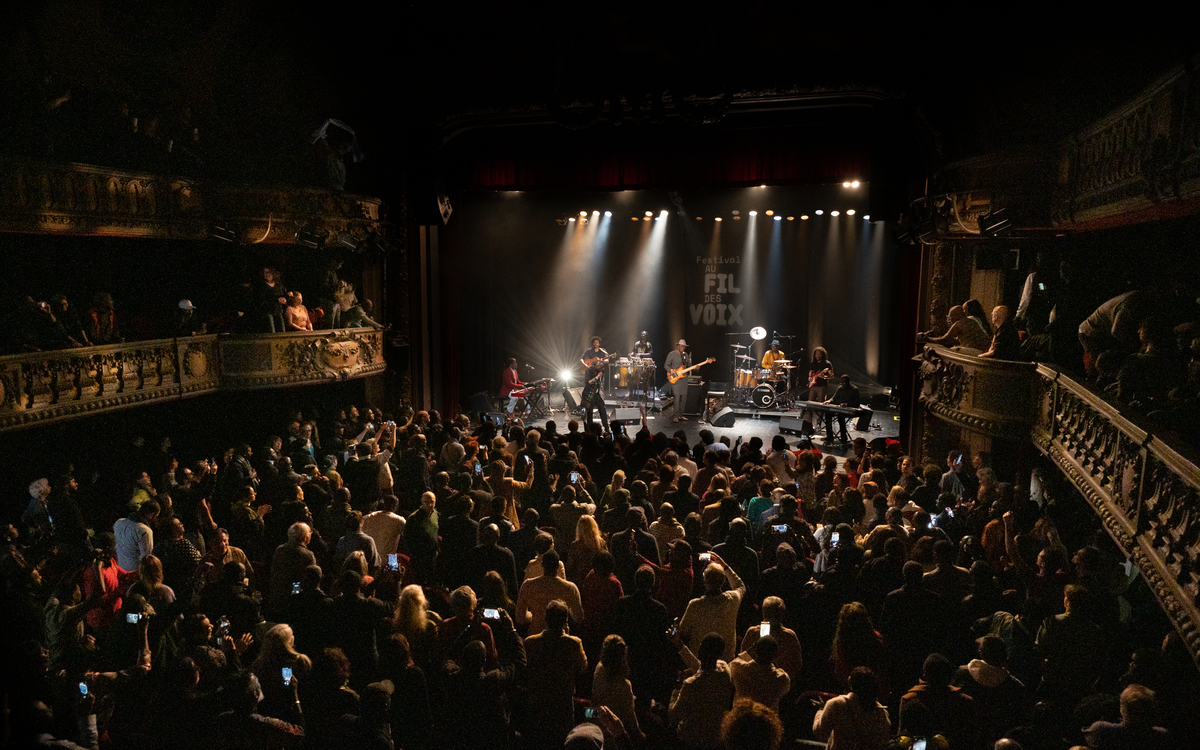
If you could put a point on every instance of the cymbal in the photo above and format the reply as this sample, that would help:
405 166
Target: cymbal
744 356
739 346
758 333
788 367
782 362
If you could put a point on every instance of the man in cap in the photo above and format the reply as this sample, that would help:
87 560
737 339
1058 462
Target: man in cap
675 360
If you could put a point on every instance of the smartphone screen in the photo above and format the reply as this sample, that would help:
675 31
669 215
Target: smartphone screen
295 587
83 688
491 614
478 468
287 675
574 476
780 528
393 561
833 540
132 617
764 630
918 745
705 557
589 713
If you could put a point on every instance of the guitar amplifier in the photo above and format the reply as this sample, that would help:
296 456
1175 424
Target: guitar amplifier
572 397
690 400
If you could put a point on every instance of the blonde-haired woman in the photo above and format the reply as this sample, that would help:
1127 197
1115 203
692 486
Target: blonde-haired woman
583 550
415 621
613 492
279 652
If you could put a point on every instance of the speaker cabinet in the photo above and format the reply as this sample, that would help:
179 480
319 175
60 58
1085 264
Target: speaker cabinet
864 420
571 398
723 418
625 416
795 425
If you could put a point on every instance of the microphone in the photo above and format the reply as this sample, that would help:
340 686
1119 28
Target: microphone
529 367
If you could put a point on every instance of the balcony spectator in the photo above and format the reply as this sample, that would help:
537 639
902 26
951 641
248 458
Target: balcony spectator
101 322
296 314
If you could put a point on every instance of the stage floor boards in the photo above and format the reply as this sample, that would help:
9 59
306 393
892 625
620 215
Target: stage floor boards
764 424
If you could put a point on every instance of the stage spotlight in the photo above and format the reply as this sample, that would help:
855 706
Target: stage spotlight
803 217
754 213
635 218
718 218
854 184
819 212
850 212
791 218
608 213
571 219
565 375
778 218
583 213
846 184
663 213
649 213
770 212
595 213
833 213
737 218
698 218
735 213
866 217
761 186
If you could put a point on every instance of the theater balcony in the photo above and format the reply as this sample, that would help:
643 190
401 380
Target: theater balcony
85 200
45 387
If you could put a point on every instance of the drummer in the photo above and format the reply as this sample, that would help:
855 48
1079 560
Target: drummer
642 347
772 356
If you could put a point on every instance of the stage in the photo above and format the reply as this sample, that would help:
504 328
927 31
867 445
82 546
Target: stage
749 421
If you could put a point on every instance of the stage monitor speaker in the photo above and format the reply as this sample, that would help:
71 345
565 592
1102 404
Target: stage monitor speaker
625 416
716 388
864 420
880 401
693 399
723 418
571 398
482 402
795 425
497 418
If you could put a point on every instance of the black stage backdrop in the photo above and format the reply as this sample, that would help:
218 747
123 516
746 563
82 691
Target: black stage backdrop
528 282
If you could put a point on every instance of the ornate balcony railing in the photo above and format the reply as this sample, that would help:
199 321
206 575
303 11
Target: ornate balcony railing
1146 494
991 396
43 387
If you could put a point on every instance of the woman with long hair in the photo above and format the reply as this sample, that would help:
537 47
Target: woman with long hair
493 594
415 621
279 651
582 551
611 686
855 643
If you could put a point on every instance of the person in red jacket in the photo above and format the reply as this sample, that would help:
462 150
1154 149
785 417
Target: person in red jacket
510 382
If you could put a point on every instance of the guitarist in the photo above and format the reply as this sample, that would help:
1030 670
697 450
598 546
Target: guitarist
820 372
675 360
593 360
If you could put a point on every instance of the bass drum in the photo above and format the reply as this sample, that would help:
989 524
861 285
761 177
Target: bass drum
744 379
763 396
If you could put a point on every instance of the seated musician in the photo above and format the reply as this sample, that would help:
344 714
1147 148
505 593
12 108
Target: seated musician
642 347
510 381
845 395
773 355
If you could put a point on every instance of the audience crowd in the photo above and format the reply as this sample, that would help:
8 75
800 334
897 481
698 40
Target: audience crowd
445 584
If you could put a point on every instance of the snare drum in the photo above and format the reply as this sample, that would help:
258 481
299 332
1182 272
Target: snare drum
764 375
763 396
744 379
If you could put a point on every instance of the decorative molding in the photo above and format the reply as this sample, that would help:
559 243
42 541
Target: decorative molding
992 397
45 387
87 200
1143 154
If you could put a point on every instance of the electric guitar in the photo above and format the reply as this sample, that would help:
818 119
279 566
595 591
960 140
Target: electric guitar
674 376
812 376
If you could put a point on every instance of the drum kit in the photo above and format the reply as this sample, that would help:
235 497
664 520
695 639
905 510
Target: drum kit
760 386
634 375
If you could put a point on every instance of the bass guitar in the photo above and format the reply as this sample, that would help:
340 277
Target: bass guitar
812 376
674 376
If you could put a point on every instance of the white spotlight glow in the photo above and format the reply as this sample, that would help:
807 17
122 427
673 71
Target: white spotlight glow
803 217
854 184
571 219
761 186
663 213
649 213
834 213
819 212
565 375
778 218
850 212
754 213
595 213
718 218
608 213
583 213
846 184
866 217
